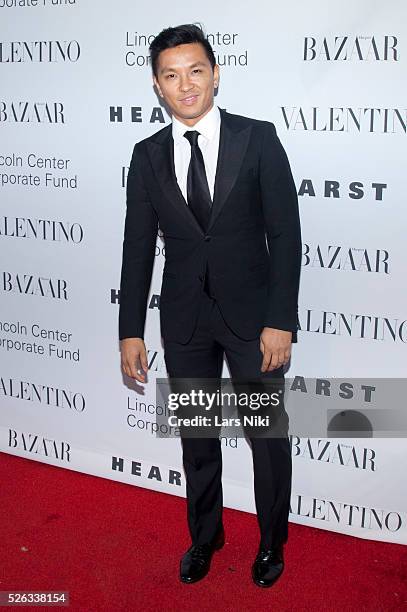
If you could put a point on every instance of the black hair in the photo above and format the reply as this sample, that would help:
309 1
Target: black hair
179 35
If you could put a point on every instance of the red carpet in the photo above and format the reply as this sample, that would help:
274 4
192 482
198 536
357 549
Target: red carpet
116 547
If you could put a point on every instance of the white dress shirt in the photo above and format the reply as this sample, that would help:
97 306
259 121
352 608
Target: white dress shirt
208 141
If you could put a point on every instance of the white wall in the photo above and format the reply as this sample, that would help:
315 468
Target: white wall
76 410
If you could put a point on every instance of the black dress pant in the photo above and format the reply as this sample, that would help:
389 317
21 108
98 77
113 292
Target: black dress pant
202 357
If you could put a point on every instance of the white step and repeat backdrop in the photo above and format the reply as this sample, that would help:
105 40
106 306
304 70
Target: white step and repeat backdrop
75 95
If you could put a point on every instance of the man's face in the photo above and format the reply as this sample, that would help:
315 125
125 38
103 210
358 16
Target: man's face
186 81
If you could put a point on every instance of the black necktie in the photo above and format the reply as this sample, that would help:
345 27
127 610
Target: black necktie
199 198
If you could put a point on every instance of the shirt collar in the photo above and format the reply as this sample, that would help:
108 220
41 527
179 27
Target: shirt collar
206 126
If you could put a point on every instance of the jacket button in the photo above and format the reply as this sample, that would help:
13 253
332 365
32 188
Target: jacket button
207 238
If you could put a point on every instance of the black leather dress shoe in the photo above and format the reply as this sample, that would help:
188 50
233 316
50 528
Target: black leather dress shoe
268 566
196 561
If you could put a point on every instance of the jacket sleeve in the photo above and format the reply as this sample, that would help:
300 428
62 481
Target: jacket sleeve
283 232
140 234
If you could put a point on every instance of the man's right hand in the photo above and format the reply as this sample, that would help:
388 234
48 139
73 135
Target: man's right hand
134 358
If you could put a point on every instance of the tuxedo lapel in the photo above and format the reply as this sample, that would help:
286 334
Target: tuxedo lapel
161 152
232 148
233 144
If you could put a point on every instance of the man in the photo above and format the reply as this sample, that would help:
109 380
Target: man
220 187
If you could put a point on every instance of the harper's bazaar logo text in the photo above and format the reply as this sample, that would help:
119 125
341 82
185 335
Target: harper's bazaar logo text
346 455
38 445
32 112
345 258
348 48
29 284
39 51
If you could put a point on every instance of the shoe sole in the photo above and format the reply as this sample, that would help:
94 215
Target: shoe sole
266 586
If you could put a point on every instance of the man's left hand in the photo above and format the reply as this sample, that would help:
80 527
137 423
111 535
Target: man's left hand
275 344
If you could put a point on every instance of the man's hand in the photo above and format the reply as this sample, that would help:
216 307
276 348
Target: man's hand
275 344
134 358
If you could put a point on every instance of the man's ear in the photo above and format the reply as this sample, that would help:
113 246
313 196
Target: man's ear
157 86
216 75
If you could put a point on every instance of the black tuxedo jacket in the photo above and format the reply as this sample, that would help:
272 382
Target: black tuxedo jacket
252 245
